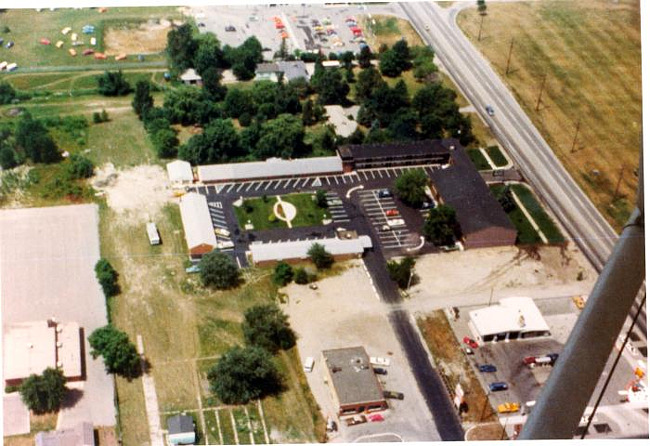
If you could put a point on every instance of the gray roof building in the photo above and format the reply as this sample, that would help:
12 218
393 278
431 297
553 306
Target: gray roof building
180 430
354 385
289 69
80 435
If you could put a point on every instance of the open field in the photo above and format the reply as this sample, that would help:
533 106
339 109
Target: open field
589 52
387 30
27 27
454 366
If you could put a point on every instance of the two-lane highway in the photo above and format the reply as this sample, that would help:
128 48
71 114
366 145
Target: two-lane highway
482 87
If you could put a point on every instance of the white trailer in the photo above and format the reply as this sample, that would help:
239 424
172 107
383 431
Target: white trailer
152 232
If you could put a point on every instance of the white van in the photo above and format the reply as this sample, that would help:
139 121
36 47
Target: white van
308 365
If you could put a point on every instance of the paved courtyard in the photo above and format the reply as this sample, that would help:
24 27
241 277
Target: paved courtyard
47 270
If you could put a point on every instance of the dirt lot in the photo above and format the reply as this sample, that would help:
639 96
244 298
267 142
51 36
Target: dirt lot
147 38
328 318
469 277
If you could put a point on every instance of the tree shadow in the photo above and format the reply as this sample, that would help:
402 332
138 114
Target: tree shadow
71 398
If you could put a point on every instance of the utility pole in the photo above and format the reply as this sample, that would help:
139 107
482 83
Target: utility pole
575 137
541 90
618 184
491 294
512 41
480 29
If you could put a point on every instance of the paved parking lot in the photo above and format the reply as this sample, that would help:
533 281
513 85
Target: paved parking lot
387 221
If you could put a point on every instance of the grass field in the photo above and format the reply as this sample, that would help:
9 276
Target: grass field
257 211
27 27
454 366
478 159
526 234
589 52
545 223
387 30
496 156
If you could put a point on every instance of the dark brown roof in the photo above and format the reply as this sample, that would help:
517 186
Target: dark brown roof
461 186
392 148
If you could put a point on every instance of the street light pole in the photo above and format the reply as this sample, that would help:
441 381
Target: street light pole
575 137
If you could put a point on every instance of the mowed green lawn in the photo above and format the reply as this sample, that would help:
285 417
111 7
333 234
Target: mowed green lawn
590 53
258 211
27 27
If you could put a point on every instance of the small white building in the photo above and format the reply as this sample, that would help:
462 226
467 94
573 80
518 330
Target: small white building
265 254
513 318
180 172
152 233
191 77
199 232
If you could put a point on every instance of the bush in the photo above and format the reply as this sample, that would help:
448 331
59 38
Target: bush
301 276
7 93
244 374
272 218
400 272
245 119
80 167
8 158
44 393
319 255
282 274
219 271
107 277
112 83
265 326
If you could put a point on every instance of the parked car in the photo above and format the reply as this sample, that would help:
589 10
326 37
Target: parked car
230 28
392 213
9 44
487 368
498 386
469 341
489 110
377 360
508 407
428 205
385 228
579 302
385 193
201 25
357 419
393 395
376 417
468 351
380 371
331 425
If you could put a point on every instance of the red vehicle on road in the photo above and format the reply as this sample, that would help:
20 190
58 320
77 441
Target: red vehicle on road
471 342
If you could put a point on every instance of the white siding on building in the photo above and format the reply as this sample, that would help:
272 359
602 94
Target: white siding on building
196 221
180 172
276 251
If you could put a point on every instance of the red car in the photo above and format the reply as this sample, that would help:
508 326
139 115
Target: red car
471 342
376 417
392 213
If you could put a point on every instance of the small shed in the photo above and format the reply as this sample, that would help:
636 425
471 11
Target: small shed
152 233
180 430
180 172
191 77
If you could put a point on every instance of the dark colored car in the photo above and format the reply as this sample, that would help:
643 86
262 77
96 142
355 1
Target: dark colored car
489 110
498 386
385 193
9 44
201 25
487 368
428 205
380 371
230 28
393 395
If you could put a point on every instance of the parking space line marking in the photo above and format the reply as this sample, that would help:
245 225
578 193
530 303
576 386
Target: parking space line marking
268 184
365 177
259 183
306 181
379 173
240 186
297 181
288 181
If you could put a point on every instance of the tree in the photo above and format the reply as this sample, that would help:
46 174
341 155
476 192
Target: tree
282 274
281 137
181 48
185 105
237 102
319 255
112 83
331 88
212 84
7 93
107 277
119 354
219 271
481 6
44 393
409 187
365 57
441 227
368 82
142 99
283 52
218 143
403 54
244 374
80 167
321 198
401 272
35 141
165 142
265 326
403 126
8 158
208 54
244 58
308 112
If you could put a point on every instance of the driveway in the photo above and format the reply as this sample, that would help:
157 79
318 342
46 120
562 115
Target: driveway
47 269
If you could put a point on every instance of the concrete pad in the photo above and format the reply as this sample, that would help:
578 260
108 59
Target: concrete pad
16 415
47 270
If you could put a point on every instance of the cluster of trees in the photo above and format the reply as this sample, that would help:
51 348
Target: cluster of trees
107 277
283 274
44 393
7 93
393 61
410 186
203 52
441 227
118 352
219 271
113 83
246 373
29 139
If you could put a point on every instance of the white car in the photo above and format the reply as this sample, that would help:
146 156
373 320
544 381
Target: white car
376 360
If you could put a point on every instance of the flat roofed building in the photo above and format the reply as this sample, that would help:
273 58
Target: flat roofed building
81 435
482 220
180 172
264 254
513 318
15 417
199 232
271 168
353 385
32 347
180 430
370 156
